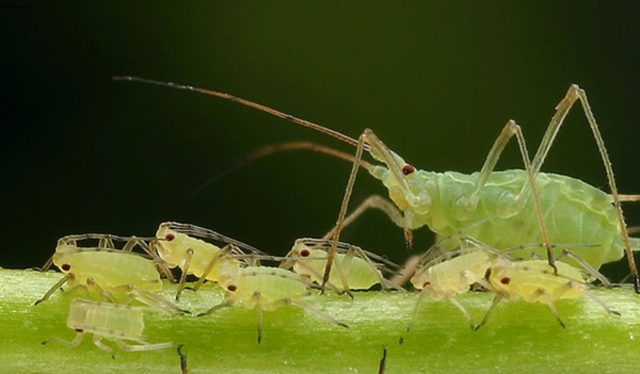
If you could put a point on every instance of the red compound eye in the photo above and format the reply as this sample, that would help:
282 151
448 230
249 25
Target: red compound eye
505 280
408 169
232 288
79 330
305 253
169 237
66 267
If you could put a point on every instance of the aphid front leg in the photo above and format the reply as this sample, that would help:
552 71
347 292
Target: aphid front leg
97 340
185 272
494 304
54 288
69 344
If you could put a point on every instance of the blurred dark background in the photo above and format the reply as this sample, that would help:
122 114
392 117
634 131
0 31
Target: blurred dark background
81 153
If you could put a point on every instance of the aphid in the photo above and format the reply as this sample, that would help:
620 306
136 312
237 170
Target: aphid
535 281
184 368
524 206
265 289
353 267
115 322
178 246
107 271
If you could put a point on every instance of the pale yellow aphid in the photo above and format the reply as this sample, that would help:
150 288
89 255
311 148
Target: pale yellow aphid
447 279
534 281
107 271
353 268
265 289
178 245
115 322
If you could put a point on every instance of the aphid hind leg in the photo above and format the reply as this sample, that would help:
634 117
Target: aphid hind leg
222 305
151 299
223 252
416 309
259 311
562 109
464 311
315 311
510 130
144 346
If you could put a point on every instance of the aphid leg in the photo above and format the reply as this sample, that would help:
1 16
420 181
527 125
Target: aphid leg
184 369
464 311
315 311
141 347
92 285
105 241
548 299
185 272
386 284
343 210
223 304
97 340
164 269
508 131
601 303
70 344
223 252
373 202
587 267
494 304
406 272
416 309
562 109
54 288
47 265
151 298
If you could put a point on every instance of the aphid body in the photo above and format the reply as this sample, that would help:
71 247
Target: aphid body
265 288
353 268
194 255
116 322
108 268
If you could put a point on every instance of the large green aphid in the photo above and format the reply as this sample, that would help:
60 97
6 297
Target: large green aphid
514 206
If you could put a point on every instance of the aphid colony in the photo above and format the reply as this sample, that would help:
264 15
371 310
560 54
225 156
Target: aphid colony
120 275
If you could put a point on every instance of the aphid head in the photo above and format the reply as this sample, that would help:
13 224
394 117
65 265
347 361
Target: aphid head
62 260
168 245
406 184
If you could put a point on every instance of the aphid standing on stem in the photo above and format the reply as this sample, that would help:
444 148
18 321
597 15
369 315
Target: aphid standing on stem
535 281
178 246
109 272
116 322
354 268
524 206
265 289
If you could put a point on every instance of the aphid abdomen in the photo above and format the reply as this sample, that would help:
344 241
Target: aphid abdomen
110 269
534 281
360 275
272 284
106 319
574 212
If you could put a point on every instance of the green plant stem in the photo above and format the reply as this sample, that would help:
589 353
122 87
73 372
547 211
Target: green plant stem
520 337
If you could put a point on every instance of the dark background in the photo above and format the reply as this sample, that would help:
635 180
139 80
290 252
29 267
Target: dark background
81 153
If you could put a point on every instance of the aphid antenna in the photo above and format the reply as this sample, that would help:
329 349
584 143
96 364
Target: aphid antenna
271 149
201 232
251 104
